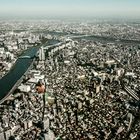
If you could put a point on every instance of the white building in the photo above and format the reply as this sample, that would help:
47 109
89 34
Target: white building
98 87
41 54
24 88
39 77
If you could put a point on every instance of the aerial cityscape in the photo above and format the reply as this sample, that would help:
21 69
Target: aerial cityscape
69 70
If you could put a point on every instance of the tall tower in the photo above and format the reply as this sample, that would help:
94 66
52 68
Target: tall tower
41 54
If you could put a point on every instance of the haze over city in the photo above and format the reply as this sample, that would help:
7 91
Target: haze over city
69 8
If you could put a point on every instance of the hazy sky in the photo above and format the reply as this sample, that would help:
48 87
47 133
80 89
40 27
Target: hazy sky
70 8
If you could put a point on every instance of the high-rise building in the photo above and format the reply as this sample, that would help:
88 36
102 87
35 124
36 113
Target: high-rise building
41 54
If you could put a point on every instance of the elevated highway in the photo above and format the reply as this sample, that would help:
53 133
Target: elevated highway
124 87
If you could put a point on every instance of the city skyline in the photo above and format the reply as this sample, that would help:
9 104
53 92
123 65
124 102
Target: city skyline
69 69
70 8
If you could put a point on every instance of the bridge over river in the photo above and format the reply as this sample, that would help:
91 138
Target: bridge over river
9 82
14 77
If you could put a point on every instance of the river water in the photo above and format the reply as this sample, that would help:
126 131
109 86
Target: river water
19 69
21 66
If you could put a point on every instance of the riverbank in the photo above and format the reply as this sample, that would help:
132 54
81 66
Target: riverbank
14 77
